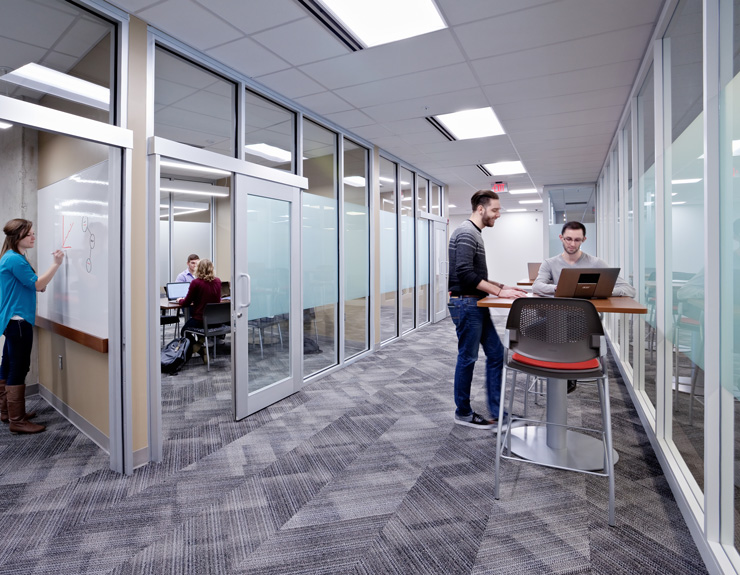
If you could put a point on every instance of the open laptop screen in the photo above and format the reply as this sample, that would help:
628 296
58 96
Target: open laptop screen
176 290
533 268
587 282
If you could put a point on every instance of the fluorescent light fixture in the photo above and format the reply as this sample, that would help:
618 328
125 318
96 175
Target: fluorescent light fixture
369 21
736 147
687 181
468 124
451 206
678 203
527 191
5 125
42 79
269 152
194 168
382 179
505 168
530 201
517 210
354 181
356 214
194 188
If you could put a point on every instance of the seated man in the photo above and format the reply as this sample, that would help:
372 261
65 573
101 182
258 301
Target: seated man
573 235
188 274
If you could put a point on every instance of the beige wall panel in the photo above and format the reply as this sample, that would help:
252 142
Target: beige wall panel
82 383
139 240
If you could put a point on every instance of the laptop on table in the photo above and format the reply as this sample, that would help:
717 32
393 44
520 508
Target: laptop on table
533 268
588 283
176 290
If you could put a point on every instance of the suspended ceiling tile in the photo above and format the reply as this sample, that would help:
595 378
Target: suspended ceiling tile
550 24
324 103
247 57
251 17
301 42
291 83
46 27
427 105
418 84
372 131
619 74
350 119
549 121
457 12
15 54
134 6
433 50
188 20
588 52
572 103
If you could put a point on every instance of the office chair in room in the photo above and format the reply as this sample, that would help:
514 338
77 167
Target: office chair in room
558 339
216 321
687 321
263 323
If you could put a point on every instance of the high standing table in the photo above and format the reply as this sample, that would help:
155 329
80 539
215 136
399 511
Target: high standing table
555 445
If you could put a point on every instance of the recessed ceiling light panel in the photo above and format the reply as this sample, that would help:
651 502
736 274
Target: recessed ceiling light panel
376 22
505 168
468 124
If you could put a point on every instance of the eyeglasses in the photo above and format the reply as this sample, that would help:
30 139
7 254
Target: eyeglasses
573 240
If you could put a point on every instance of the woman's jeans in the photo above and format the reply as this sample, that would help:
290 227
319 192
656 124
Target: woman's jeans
16 352
475 328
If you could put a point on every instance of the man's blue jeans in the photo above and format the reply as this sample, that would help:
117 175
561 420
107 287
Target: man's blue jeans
475 328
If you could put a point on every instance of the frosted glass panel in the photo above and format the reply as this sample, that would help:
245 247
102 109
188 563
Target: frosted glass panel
408 251
388 251
320 249
268 249
356 251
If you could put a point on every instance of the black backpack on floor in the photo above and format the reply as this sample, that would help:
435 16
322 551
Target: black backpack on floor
175 354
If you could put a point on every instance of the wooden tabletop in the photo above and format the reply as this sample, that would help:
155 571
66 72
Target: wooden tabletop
525 282
608 305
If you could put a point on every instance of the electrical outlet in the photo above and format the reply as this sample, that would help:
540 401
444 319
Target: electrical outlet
61 362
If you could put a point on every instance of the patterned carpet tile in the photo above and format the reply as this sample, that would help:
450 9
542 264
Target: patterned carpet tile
362 472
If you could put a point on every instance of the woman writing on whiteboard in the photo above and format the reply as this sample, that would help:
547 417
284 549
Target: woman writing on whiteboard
18 286
204 289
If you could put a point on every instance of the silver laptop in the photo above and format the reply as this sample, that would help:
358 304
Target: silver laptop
589 283
533 268
176 290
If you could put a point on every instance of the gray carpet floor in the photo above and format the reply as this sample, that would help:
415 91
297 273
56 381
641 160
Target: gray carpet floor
361 472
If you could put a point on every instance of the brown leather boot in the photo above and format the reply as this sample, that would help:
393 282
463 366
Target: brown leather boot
16 397
4 405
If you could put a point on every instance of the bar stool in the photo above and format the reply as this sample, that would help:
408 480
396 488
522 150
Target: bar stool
558 339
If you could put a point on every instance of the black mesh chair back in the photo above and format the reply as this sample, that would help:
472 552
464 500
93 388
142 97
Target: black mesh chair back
216 321
554 329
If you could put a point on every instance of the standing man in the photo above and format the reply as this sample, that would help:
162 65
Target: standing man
572 236
188 274
468 284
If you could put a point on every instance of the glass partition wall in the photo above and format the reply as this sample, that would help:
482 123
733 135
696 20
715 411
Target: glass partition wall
356 202
320 249
408 250
677 181
683 199
388 251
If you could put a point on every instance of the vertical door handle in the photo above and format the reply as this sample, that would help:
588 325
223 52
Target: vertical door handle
247 299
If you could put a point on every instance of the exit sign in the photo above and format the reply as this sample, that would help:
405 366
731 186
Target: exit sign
499 187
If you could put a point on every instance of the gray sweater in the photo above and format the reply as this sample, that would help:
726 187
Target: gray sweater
547 279
467 260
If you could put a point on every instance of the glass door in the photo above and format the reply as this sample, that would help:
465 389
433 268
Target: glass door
266 292
441 269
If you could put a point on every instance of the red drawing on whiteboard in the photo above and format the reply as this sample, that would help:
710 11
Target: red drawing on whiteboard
64 241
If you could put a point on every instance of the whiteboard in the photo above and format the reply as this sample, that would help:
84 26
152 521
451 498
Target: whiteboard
73 216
